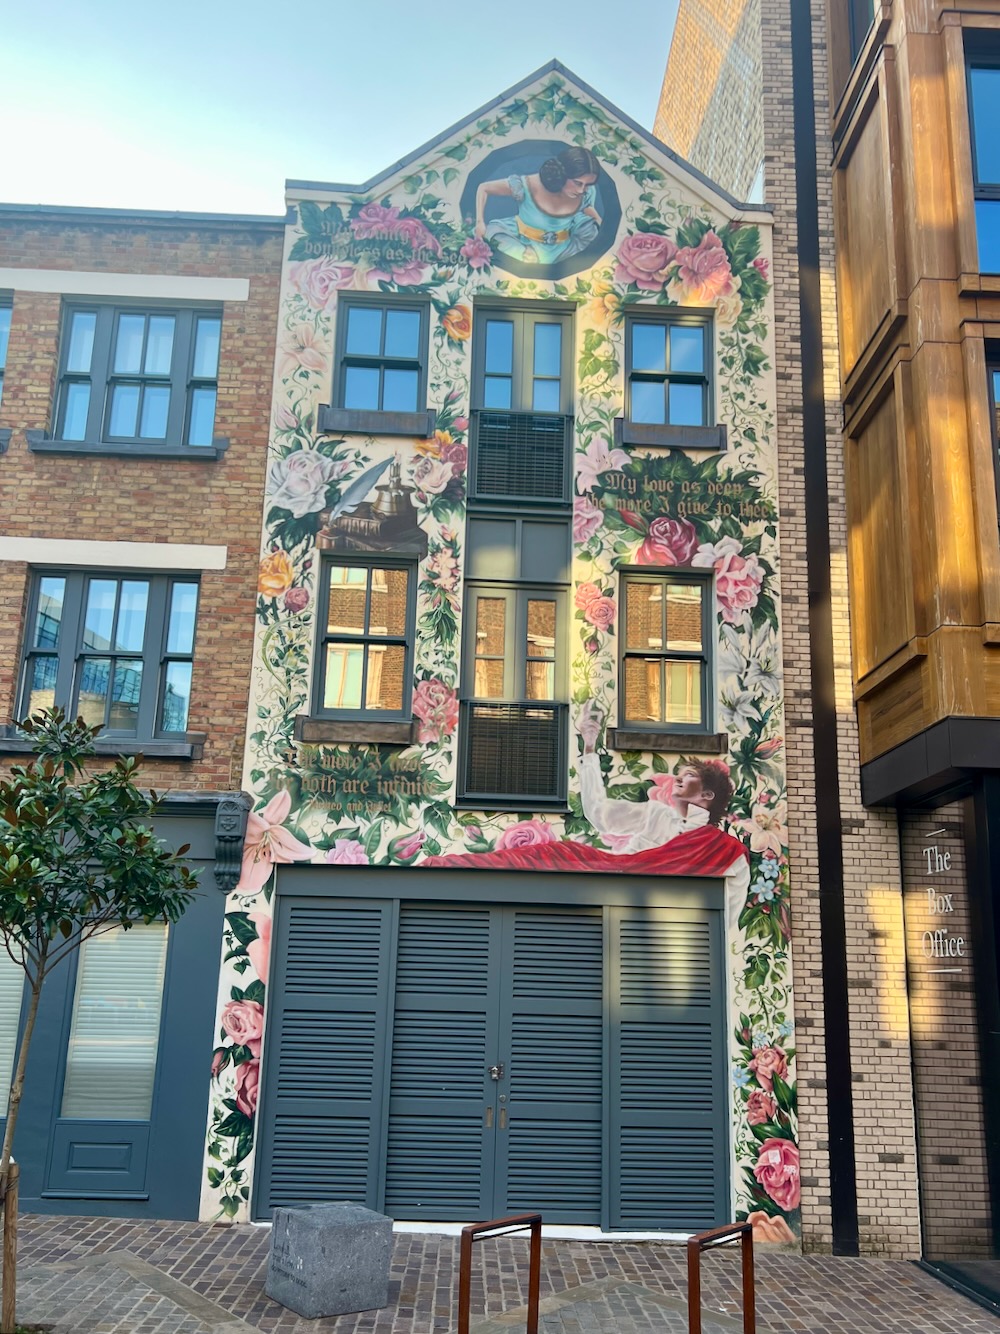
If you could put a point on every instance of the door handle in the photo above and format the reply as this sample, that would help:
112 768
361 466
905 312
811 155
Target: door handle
503 1118
488 1119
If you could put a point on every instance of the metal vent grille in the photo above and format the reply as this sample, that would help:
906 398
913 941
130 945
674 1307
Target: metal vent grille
515 750
520 455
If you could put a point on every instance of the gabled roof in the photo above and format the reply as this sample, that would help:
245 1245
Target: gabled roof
699 182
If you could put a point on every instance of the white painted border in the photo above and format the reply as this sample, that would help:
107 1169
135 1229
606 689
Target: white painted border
132 555
153 286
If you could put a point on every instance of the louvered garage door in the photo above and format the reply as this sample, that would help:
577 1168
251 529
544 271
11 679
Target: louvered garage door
322 1108
493 1059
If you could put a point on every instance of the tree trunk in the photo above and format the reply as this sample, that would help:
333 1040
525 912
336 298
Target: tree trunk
8 1275
17 1083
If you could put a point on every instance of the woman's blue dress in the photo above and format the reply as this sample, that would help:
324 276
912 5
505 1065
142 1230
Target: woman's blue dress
541 238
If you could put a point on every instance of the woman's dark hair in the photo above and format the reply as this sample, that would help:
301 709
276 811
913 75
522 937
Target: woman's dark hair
715 778
570 163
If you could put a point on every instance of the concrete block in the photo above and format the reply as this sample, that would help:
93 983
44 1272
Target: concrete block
329 1259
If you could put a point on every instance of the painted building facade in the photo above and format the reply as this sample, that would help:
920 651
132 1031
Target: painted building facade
136 353
513 926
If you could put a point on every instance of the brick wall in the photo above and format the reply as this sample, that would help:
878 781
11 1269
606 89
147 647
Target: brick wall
149 499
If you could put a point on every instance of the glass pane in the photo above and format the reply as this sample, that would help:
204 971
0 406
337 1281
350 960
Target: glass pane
988 234
51 592
131 616
124 408
643 615
76 405
361 387
128 344
111 1060
489 678
388 608
399 391
985 85
648 402
5 314
364 331
996 407
342 678
683 692
207 336
490 618
348 589
687 348
548 350
540 680
159 345
125 695
642 690
499 347
201 428
81 341
496 392
155 406
684 617
100 616
11 991
93 699
402 333
176 697
386 671
545 396
649 347
180 626
687 404
42 684
541 629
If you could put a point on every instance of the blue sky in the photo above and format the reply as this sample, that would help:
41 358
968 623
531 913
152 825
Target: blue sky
211 106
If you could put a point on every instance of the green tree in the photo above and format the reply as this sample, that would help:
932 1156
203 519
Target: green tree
77 859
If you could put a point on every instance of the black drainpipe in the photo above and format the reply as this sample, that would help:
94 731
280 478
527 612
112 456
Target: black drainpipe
833 948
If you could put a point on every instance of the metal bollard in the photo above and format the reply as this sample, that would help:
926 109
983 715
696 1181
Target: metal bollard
703 1241
500 1227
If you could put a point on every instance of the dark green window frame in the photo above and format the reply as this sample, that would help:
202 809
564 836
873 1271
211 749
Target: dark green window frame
525 377
860 16
515 658
668 376
60 641
664 655
367 640
379 421
188 384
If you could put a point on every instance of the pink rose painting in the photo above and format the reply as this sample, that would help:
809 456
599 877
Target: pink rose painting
525 834
319 280
668 542
267 844
436 706
601 613
777 1170
768 1228
738 577
430 477
703 272
243 1021
247 1085
409 845
643 259
761 1108
374 220
768 1062
347 852
477 252
587 519
585 595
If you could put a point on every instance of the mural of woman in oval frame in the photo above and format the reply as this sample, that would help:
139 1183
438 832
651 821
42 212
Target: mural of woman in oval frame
546 208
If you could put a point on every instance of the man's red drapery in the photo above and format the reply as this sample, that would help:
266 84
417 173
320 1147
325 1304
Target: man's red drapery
704 851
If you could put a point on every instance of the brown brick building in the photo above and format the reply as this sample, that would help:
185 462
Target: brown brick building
137 353
880 166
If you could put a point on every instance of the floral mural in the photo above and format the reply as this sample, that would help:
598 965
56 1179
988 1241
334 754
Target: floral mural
459 225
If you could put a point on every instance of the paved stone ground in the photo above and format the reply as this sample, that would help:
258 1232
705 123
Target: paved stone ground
113 1276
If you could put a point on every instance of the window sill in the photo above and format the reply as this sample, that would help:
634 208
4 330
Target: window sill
39 443
187 746
353 421
335 731
688 743
514 806
669 437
